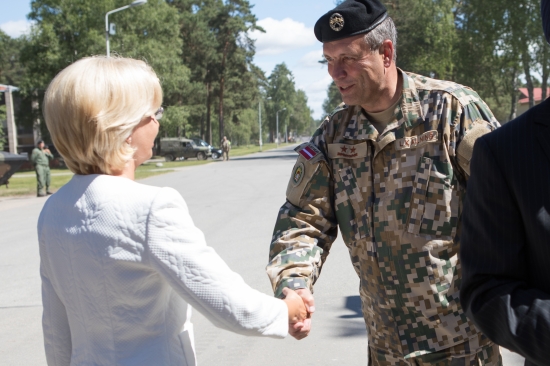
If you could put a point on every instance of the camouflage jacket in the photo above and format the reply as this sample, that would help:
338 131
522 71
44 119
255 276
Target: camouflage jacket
40 157
397 199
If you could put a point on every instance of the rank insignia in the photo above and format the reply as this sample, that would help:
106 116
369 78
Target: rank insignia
298 174
336 22
310 152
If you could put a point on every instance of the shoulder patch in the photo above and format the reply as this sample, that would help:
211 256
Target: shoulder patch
310 152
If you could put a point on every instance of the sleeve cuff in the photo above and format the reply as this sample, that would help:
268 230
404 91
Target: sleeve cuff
293 283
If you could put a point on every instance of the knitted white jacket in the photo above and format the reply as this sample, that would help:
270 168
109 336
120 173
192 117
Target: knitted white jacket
119 263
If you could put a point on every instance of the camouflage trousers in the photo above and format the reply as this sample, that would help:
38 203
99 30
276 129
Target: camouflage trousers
458 355
42 178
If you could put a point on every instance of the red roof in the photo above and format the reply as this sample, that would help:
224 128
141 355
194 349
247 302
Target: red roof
537 93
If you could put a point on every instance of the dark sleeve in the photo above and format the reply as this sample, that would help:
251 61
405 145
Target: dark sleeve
495 291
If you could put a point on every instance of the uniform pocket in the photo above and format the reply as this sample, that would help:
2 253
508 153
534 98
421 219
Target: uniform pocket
350 206
434 204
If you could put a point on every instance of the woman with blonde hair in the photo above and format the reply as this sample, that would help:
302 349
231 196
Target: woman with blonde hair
121 261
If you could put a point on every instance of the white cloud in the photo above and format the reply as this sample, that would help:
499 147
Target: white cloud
16 28
311 59
282 36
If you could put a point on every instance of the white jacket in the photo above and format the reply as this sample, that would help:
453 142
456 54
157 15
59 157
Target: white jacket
119 263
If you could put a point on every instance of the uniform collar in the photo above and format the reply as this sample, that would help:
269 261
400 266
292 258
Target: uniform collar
407 114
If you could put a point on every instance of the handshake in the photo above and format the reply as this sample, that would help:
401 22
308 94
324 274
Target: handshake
300 305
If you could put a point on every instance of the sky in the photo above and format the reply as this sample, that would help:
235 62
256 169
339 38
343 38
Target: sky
289 38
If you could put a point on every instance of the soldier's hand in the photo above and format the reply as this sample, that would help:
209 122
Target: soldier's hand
297 311
301 330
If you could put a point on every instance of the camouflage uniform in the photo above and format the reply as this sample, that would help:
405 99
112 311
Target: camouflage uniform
41 161
397 199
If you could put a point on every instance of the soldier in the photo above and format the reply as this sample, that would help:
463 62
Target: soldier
226 146
40 158
388 167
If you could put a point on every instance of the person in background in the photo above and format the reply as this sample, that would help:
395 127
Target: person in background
120 261
40 158
506 233
226 146
388 168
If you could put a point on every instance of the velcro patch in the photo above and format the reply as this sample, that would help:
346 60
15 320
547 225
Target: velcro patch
345 151
416 141
310 152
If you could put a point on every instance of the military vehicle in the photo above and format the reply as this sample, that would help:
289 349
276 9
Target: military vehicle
9 164
181 148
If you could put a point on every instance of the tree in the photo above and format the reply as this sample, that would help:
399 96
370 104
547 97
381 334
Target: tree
427 45
66 31
11 71
334 98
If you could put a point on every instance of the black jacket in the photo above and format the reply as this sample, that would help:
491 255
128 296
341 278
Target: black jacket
505 244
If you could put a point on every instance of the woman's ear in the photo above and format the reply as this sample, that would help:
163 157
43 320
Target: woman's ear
129 140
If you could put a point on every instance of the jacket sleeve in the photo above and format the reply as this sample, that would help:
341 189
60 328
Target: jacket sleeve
55 324
306 225
473 120
178 251
495 292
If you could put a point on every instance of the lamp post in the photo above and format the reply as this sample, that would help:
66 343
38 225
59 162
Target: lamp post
135 3
277 117
260 119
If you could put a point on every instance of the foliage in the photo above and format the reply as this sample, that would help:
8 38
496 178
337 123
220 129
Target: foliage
2 120
333 99
11 70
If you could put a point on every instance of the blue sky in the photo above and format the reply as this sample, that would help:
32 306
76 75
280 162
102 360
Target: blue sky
289 38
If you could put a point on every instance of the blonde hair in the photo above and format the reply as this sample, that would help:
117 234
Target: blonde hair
92 106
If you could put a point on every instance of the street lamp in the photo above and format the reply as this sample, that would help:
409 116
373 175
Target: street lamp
277 117
260 119
135 3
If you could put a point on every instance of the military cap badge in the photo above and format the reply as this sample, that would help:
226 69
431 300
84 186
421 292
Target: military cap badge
336 22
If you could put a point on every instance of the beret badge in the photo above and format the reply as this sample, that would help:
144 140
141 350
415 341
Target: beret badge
336 22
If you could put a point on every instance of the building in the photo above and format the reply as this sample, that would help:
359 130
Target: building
523 102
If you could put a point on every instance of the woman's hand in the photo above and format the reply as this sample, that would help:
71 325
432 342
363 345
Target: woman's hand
297 311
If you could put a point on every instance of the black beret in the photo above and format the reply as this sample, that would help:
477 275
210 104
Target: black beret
350 18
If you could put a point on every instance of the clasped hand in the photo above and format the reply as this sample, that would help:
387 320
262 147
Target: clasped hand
300 305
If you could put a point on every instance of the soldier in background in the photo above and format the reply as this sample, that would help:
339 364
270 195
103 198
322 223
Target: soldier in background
388 168
40 158
226 146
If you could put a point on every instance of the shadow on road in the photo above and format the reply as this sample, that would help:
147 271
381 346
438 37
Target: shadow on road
353 303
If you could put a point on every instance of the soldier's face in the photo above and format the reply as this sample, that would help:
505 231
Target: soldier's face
357 71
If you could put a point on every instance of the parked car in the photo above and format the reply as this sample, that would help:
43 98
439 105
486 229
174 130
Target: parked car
179 147
216 151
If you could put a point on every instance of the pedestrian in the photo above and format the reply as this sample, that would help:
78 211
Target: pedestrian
226 146
388 169
506 234
40 158
120 260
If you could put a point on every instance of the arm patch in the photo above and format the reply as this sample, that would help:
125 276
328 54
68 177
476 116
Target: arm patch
301 175
466 146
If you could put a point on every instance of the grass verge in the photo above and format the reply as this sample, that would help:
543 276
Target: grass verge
24 183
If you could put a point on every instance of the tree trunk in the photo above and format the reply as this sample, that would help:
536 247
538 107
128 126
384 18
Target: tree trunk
222 84
545 70
208 122
528 79
514 95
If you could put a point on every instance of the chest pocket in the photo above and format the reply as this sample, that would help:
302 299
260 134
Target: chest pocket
350 206
434 203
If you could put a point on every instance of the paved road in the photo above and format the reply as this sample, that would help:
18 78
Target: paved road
235 203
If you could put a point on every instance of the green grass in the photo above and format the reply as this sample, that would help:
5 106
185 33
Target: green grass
24 183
